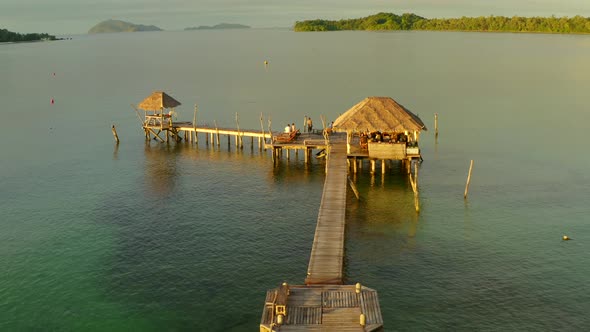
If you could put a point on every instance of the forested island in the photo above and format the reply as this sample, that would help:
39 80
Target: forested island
121 26
9 36
409 21
220 26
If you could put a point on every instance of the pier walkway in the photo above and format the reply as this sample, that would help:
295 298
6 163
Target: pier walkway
327 253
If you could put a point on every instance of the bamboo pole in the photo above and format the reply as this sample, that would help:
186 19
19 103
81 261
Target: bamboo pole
435 124
262 131
217 133
114 130
354 189
195 125
238 136
468 180
142 121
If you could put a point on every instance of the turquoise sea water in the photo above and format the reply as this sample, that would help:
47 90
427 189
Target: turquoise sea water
152 237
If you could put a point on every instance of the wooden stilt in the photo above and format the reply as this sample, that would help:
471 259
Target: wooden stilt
355 168
382 166
372 166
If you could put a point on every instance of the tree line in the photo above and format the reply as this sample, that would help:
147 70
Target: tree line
409 21
9 36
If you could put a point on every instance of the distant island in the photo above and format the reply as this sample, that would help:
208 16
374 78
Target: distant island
220 26
409 21
14 37
109 26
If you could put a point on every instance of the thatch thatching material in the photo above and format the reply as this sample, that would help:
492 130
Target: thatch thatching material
157 101
378 114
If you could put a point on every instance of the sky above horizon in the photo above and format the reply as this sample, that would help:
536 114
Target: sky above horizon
64 17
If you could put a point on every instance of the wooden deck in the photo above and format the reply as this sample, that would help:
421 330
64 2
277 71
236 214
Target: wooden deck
327 253
324 308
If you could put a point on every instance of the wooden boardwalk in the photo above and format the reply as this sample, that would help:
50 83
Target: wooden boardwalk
327 253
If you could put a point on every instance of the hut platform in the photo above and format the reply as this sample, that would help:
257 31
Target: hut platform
321 308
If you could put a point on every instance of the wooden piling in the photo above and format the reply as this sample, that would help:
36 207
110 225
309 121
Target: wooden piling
468 180
435 124
372 166
114 130
382 166
354 167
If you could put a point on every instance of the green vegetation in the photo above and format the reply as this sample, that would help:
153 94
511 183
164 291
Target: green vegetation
121 26
9 36
220 26
388 21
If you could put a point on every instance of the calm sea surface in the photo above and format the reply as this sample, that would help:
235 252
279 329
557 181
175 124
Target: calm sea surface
156 237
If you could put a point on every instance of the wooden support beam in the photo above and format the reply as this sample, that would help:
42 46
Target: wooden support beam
372 166
382 166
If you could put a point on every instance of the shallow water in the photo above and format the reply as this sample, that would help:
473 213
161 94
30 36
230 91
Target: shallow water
174 237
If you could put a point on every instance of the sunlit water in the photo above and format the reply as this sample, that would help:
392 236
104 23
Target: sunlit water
152 237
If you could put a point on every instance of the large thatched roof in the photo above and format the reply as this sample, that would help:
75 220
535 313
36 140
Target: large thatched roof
158 100
378 114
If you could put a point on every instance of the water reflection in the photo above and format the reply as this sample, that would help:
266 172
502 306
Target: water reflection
383 224
116 152
160 168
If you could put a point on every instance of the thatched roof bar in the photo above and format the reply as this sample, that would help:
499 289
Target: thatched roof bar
378 114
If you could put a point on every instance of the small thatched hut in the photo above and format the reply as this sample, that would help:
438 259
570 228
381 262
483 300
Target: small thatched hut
155 105
379 120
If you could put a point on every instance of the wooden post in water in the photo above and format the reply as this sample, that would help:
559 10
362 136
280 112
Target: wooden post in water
238 136
354 189
260 139
414 183
114 130
382 166
435 124
195 125
468 180
372 166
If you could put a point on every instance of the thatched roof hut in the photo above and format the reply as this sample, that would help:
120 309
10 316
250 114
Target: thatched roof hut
157 101
378 114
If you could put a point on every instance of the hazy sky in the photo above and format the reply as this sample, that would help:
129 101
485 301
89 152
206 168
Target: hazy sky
77 16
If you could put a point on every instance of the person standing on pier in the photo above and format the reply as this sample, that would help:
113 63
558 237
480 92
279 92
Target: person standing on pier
309 125
293 127
288 129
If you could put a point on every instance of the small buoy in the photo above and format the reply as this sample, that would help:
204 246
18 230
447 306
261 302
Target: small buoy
265 62
52 101
566 238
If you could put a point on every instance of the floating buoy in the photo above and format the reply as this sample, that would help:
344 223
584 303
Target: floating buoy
566 238
52 101
265 62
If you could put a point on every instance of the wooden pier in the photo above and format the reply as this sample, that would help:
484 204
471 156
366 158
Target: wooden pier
377 129
323 303
327 253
